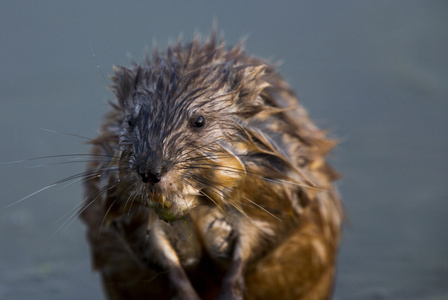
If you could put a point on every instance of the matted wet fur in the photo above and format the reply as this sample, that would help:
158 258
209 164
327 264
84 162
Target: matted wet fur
209 181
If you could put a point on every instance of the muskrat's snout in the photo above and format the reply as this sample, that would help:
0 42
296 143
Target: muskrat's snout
149 174
150 168
162 186
149 177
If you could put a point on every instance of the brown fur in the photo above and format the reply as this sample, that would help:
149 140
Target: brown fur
210 180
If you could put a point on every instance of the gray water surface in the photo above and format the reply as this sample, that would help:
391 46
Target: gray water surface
375 73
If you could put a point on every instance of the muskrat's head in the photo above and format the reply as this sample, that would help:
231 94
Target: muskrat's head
189 120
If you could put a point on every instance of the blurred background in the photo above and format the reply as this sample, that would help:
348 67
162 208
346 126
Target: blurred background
375 73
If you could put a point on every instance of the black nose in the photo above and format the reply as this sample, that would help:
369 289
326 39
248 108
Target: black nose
148 176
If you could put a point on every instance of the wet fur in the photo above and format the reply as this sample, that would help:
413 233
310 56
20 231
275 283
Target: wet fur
242 206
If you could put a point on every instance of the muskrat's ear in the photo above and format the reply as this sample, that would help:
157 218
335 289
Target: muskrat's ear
249 82
253 79
123 79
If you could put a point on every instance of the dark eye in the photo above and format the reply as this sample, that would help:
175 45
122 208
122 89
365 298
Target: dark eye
199 122
131 122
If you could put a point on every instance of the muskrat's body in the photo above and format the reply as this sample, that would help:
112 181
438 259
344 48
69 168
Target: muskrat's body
210 181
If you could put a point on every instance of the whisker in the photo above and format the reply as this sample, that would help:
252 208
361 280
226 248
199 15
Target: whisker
201 157
197 148
241 210
249 173
124 178
64 163
221 193
80 209
105 215
130 201
30 195
66 133
262 208
89 200
68 221
58 156
90 174
63 217
206 183
296 184
207 196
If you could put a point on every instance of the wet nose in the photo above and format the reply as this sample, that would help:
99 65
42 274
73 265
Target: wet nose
152 176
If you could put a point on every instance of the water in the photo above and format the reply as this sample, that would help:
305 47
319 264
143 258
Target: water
374 73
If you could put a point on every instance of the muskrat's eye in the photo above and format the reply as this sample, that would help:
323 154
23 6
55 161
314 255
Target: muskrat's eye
199 122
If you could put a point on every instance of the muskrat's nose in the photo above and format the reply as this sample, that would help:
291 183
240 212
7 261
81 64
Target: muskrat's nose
152 177
150 169
145 178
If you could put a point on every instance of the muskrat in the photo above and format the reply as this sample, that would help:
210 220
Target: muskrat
209 180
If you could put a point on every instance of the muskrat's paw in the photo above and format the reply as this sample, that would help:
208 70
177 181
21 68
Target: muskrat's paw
218 238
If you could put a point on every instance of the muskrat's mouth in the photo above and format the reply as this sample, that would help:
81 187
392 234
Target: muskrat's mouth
172 207
162 199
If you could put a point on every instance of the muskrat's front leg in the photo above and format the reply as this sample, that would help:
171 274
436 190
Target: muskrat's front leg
162 251
233 286
224 245
247 246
